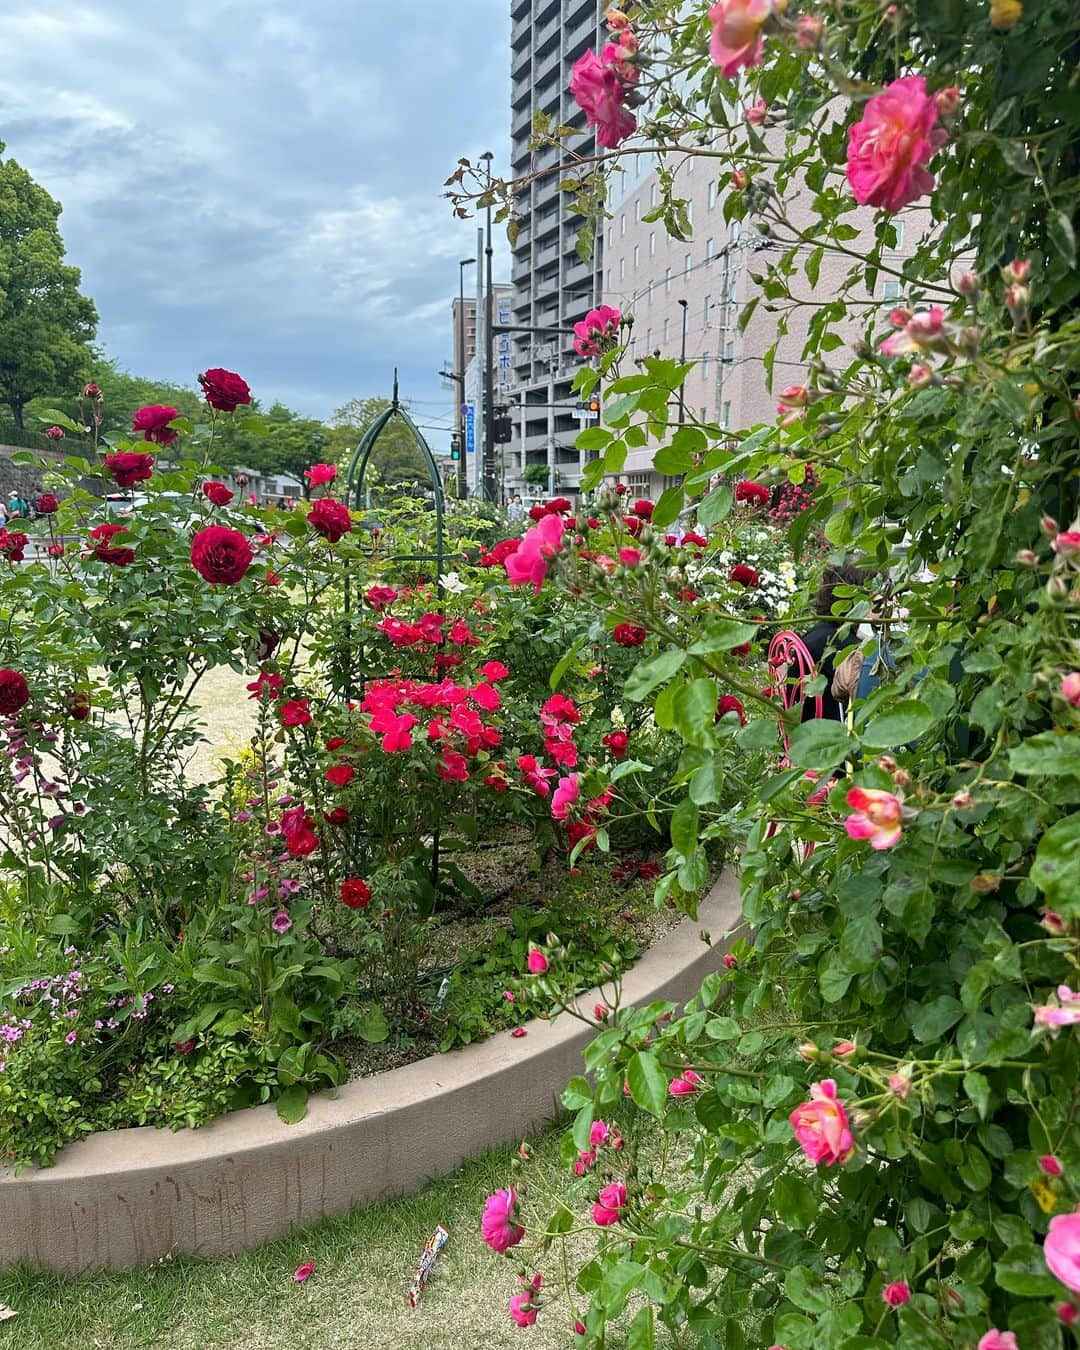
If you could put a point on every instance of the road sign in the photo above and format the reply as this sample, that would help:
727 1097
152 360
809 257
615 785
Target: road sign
470 429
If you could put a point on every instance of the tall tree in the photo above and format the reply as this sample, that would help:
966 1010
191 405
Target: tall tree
46 325
122 395
396 460
288 443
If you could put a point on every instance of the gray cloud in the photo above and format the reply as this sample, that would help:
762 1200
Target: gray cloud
251 185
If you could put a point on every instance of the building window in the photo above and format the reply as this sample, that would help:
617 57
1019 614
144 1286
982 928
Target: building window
729 353
648 293
622 268
708 306
622 224
633 347
712 194
727 415
637 254
637 210
702 417
652 195
736 230
705 365
667 330
609 278
667 280
898 230
890 290
648 339
709 250
733 291
690 210
609 236
686 266
652 243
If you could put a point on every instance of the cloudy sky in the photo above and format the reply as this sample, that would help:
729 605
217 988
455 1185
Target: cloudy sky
257 184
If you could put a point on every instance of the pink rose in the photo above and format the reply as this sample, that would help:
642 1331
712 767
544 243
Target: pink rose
302 1273
1070 688
1066 544
897 1294
536 961
737 39
877 816
1065 1015
609 1205
821 1126
538 546
920 332
600 92
599 1133
593 335
687 1082
998 1340
1050 1165
1061 1248
629 557
567 792
522 1309
808 32
319 474
499 1226
757 112
888 150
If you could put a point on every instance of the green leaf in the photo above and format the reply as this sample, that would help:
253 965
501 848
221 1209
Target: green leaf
1022 1270
1063 237
715 507
639 1334
977 1088
684 827
807 1291
1048 753
563 664
722 635
820 744
905 721
594 438
667 508
646 675
1056 870
577 1093
795 1202
292 1104
931 1022
617 1285
648 1084
671 460
583 1122
695 709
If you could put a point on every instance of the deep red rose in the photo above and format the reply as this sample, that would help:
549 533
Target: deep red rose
743 649
79 705
13 545
262 648
153 421
224 389
330 519
729 703
616 742
744 576
754 493
697 539
267 685
593 523
129 467
355 893
621 489
295 713
218 493
221 555
336 742
46 504
54 433
643 509
14 692
302 842
184 1047
558 506
634 525
537 513
628 634
340 775
91 390
105 552
338 816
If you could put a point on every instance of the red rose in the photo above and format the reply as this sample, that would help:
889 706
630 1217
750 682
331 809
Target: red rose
302 842
54 433
634 525
628 635
336 742
14 692
643 509
355 893
754 493
91 390
153 421
616 742
620 489
330 519
338 816
13 545
221 555
103 535
744 576
729 703
320 474
79 706
46 504
218 493
184 1047
129 467
378 597
341 775
558 506
593 523
537 513
295 713
224 390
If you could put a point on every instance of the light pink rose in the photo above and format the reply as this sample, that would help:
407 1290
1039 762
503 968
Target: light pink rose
1066 544
922 332
499 1227
808 32
1070 688
998 1340
888 150
737 39
877 817
600 92
610 1204
821 1126
538 546
1061 1248
757 112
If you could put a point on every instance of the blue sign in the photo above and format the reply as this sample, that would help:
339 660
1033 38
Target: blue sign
470 429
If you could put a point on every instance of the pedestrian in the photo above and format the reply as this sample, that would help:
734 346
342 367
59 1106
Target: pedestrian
515 511
17 508
831 634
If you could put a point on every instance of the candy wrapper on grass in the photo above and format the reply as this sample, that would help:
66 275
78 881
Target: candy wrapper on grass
432 1248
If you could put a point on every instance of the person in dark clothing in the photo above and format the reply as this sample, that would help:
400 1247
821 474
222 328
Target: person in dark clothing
829 636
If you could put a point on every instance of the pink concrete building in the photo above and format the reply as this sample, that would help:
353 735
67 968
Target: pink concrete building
689 296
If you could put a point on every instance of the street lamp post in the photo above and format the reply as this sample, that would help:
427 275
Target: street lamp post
682 361
488 477
460 376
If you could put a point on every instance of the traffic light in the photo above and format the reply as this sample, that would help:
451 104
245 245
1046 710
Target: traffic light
590 405
455 447
502 430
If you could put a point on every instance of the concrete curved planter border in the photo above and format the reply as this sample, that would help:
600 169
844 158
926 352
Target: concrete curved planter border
125 1198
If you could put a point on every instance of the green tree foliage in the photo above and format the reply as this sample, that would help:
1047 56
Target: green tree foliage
396 460
46 325
278 441
122 394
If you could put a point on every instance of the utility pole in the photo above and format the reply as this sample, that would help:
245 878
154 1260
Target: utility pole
682 360
489 354
551 424
462 491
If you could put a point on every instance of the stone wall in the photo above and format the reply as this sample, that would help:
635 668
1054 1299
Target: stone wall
25 479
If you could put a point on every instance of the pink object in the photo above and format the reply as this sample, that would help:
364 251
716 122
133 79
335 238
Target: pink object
567 792
518 1032
523 1310
1066 544
821 1126
1070 688
609 1205
499 1226
529 563
998 1340
629 557
808 32
686 1083
1051 1166
757 112
897 1294
737 40
888 150
536 961
304 1272
1061 1247
600 93
899 1085
319 474
877 817
599 1133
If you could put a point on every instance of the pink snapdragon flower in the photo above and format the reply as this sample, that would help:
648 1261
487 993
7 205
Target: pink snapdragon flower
821 1126
499 1226
737 40
532 558
877 817
890 147
609 1205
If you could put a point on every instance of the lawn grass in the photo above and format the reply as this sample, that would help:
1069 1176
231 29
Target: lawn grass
357 1297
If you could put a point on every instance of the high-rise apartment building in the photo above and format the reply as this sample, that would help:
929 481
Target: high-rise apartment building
553 286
